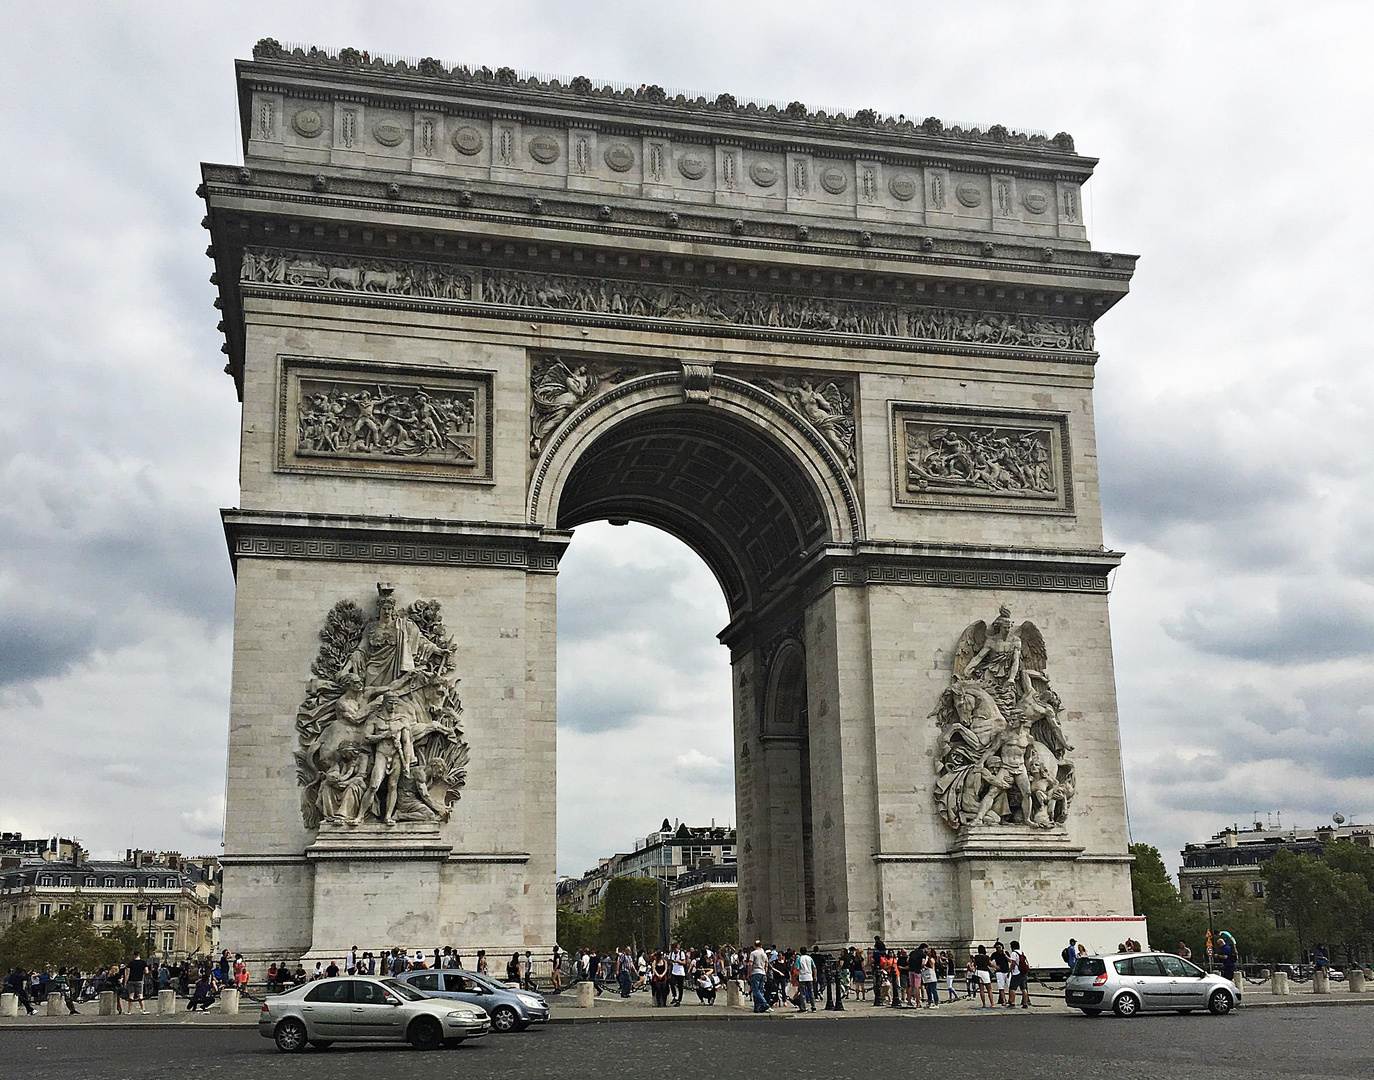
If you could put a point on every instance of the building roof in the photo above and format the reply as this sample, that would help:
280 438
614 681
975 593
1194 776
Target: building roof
152 877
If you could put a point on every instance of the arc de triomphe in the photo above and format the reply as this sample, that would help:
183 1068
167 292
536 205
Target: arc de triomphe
848 360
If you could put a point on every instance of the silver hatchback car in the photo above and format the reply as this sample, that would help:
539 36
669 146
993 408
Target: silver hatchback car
363 1008
1128 983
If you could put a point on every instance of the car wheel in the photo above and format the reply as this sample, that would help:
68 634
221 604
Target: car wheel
1092 1012
1220 1003
290 1036
426 1034
321 1044
1126 1005
504 1019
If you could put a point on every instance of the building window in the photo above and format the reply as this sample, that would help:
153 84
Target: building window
1197 892
109 883
130 883
107 913
171 883
152 913
45 882
63 907
90 883
128 912
1258 887
169 941
1216 894
45 909
64 882
169 912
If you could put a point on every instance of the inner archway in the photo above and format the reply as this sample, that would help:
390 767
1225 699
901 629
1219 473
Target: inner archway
725 484
644 727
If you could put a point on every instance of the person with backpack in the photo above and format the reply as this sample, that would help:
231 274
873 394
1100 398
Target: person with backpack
1020 977
1070 955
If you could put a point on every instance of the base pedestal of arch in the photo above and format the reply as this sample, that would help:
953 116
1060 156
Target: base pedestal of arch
375 885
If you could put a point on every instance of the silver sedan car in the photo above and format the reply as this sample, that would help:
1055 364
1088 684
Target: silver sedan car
366 1009
1128 983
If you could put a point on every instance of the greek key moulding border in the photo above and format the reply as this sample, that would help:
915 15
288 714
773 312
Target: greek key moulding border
340 417
975 458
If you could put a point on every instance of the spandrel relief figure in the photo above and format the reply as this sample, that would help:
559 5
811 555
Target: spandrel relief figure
828 409
378 729
1003 755
557 387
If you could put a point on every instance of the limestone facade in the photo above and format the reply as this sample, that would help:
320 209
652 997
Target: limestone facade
462 322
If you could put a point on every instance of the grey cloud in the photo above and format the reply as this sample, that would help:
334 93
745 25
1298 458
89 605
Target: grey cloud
1308 622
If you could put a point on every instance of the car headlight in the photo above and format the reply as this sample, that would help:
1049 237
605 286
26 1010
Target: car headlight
530 1000
466 1015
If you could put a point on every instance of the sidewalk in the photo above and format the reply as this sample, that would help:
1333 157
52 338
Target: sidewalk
638 1008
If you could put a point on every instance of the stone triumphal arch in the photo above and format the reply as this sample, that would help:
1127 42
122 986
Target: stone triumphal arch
846 359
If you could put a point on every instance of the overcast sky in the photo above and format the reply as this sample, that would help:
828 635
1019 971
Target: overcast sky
1233 394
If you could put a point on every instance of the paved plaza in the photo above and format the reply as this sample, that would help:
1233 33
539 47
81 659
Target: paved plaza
1257 1043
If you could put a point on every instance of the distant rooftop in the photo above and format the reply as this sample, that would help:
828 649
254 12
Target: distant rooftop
856 120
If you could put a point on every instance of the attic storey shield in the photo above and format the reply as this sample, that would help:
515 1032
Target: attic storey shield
848 360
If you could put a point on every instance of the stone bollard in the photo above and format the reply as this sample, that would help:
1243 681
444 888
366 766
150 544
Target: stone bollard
55 1005
1356 981
166 1001
1278 984
107 1003
1321 982
586 994
9 1004
229 1002
1265 973
733 999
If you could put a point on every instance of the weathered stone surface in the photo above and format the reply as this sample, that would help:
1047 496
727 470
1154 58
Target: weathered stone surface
166 1001
9 1004
854 373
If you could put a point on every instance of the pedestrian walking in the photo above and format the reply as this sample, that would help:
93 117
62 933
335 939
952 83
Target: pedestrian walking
805 968
133 979
677 972
758 977
1020 977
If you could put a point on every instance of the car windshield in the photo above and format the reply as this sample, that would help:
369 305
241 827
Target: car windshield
1089 965
482 982
406 993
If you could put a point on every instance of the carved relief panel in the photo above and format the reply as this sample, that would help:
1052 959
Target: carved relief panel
360 419
980 459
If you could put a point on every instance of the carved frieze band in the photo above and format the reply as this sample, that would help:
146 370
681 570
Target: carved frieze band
763 312
971 578
301 536
980 459
350 418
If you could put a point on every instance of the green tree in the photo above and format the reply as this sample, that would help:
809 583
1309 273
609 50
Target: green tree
1169 918
576 931
126 940
711 920
630 912
49 942
1248 920
1323 903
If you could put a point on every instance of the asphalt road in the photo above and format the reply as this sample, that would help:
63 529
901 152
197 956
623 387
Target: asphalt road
1287 1043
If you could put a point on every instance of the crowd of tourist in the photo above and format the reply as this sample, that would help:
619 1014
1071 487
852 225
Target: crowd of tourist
898 978
133 983
916 978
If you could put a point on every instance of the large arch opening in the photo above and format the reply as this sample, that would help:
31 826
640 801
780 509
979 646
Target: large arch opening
730 487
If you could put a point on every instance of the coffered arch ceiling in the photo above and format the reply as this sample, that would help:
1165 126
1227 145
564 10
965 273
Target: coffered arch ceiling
720 485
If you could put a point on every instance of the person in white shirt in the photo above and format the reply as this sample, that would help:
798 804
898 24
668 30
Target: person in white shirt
677 972
758 976
805 968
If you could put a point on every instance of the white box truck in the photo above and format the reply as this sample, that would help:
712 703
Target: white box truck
1043 938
